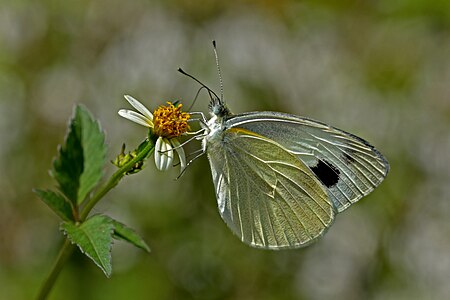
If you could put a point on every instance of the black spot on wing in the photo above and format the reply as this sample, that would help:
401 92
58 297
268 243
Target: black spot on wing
326 173
347 158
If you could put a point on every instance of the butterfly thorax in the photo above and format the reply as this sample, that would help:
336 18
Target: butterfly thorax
214 129
216 125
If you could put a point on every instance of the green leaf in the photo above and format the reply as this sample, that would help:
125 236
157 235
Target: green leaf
94 150
68 166
78 167
60 205
121 231
94 238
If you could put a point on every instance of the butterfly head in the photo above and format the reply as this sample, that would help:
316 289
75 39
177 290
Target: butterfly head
218 108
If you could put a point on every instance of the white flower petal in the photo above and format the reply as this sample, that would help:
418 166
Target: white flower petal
158 149
139 106
135 117
163 154
180 151
168 154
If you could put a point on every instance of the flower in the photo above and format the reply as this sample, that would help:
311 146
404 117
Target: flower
168 123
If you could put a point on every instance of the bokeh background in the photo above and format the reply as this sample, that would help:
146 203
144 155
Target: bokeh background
379 69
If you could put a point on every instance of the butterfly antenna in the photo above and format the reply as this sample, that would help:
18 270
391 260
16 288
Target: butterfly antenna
201 83
196 96
218 70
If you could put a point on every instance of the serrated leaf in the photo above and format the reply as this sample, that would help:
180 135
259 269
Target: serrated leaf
60 205
94 149
78 168
94 238
68 166
121 231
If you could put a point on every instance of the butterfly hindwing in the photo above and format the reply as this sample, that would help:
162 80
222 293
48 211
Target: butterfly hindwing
347 166
266 195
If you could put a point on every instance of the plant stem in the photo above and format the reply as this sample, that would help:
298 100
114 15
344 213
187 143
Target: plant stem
114 180
64 254
67 248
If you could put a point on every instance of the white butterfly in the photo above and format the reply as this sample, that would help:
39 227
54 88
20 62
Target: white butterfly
280 179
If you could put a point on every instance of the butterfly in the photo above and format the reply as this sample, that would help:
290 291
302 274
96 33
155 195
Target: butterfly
280 179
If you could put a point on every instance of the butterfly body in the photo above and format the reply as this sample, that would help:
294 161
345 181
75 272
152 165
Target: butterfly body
280 179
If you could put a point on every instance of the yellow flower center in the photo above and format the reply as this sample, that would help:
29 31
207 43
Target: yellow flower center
169 121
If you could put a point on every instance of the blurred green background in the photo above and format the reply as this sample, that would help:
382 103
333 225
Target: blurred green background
379 69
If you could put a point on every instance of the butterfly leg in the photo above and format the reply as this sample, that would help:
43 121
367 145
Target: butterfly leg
203 119
200 153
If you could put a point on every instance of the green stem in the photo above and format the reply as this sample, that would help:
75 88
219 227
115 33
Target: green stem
114 180
64 254
67 248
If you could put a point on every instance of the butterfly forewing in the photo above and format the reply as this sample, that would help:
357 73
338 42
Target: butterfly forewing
266 195
347 166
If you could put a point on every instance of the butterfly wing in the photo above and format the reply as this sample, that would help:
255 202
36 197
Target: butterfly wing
348 166
266 195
